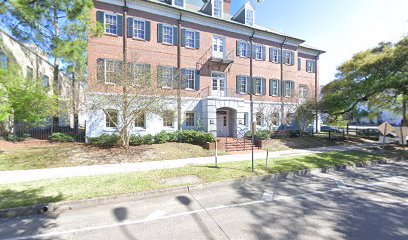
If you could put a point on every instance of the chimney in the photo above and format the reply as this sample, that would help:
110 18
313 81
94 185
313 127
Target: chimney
227 7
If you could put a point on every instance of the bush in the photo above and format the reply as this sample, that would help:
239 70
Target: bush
135 140
294 133
262 135
62 137
173 136
161 137
105 140
148 139
195 137
17 138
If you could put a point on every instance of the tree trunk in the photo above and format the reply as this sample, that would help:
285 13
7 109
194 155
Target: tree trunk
404 112
55 119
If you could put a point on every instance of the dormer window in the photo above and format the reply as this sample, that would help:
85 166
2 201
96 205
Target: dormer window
249 17
178 3
218 8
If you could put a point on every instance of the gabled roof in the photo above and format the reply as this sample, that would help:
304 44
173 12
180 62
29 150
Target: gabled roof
243 8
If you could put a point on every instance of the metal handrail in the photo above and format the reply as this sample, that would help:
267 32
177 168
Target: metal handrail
228 92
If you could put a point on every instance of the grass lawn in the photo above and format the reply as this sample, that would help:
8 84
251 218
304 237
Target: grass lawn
46 191
23 157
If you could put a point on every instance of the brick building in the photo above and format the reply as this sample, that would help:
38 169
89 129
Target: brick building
216 53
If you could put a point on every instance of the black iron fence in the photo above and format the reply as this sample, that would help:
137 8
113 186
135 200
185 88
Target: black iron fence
351 131
44 132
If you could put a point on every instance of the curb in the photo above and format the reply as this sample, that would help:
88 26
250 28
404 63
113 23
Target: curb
54 208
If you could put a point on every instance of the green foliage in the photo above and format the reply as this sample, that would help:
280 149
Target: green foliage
304 116
17 137
173 136
262 135
25 99
135 140
195 137
105 140
161 137
148 139
378 76
62 137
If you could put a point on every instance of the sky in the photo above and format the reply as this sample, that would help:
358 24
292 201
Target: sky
340 27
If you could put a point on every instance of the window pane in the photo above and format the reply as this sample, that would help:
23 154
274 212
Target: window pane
218 8
110 24
249 17
190 119
140 120
168 34
190 39
139 29
190 75
111 118
179 3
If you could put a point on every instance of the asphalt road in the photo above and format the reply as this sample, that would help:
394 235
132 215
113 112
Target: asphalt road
364 203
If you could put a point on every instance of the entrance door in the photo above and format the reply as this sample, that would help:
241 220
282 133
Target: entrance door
218 47
222 123
219 84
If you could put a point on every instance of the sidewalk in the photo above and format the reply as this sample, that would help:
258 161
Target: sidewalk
51 173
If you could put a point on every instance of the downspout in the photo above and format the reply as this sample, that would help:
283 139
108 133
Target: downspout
281 80
125 65
180 78
316 94
251 92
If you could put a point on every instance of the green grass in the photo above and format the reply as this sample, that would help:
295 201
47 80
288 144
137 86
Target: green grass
46 191
71 154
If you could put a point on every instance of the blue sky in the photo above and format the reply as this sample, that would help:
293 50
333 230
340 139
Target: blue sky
341 27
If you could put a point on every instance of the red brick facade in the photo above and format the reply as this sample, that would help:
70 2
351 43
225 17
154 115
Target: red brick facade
154 53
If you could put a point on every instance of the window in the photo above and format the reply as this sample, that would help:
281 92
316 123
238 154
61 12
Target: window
249 19
138 73
109 71
190 78
258 86
288 57
3 60
242 84
111 24
139 29
245 119
274 55
190 119
274 88
258 119
310 66
258 52
190 39
178 3
299 64
111 118
30 73
218 8
287 89
168 118
242 49
302 91
46 81
167 76
140 120
168 34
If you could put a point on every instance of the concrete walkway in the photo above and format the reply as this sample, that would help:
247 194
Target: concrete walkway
63 172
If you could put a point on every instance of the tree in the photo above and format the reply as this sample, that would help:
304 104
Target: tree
57 27
305 115
24 100
131 95
373 76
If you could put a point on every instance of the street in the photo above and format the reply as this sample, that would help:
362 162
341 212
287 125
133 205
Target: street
362 203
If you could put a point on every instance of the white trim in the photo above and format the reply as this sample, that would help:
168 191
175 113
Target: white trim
183 7
224 44
206 20
134 25
172 34
104 22
194 38
253 16
222 9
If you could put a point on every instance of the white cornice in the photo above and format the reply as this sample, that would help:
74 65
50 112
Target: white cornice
170 11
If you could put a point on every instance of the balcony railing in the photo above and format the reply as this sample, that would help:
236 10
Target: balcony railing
226 92
210 56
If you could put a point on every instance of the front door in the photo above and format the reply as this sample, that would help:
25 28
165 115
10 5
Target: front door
222 123
219 84
218 47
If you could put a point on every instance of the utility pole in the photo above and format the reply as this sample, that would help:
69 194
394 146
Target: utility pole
316 94
180 77
252 101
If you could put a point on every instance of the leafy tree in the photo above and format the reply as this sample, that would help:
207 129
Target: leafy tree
57 27
376 76
26 100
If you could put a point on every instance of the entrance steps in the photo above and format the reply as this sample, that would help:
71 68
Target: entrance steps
232 145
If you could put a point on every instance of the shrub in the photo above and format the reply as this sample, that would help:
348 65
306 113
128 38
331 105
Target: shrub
148 139
294 133
195 137
17 138
135 140
161 137
173 136
62 137
105 140
262 135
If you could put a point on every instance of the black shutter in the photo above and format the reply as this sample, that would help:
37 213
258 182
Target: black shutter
197 40
175 36
271 54
100 17
271 87
263 86
248 84
238 84
147 30
159 32
119 25
237 48
183 37
183 78
100 70
130 27
159 76
263 53
197 80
